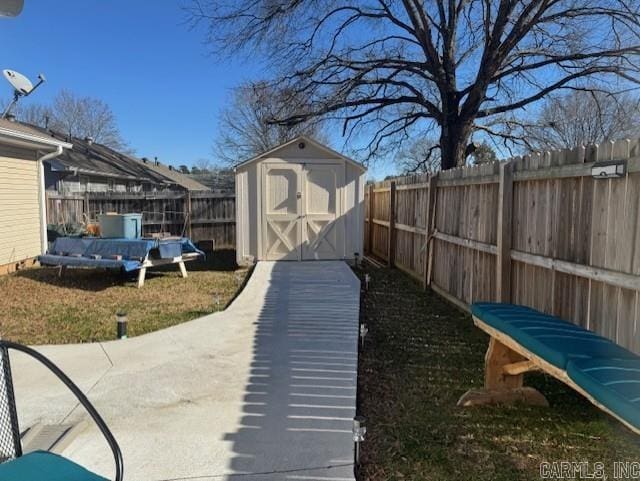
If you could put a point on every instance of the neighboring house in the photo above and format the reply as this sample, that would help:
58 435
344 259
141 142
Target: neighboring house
220 180
23 233
93 167
168 171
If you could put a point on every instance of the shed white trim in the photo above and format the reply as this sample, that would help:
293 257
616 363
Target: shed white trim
299 203
313 142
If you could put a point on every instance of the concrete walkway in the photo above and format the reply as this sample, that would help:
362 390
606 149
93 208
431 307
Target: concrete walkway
262 391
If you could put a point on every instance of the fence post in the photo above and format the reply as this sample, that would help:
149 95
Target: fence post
431 224
87 211
188 210
505 208
371 216
430 221
391 254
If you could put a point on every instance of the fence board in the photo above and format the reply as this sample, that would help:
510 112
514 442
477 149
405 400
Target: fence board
205 215
574 240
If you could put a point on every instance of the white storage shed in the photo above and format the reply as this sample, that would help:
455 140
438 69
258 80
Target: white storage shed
299 201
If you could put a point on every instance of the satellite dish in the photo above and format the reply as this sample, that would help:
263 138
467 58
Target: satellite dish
19 82
11 8
22 86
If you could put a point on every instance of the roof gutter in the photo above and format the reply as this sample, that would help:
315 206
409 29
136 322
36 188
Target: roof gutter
17 135
44 242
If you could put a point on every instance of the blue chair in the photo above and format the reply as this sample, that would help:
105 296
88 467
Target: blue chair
41 465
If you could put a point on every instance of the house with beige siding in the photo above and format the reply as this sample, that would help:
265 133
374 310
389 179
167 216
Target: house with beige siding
23 229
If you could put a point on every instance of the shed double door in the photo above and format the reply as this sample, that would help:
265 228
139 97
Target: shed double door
302 211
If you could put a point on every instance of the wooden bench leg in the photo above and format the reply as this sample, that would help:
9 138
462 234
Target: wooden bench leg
183 269
503 378
498 355
141 275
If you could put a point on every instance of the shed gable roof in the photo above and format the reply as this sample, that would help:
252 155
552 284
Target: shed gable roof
332 153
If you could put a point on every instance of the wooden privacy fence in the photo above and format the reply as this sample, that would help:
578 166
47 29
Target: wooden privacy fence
536 230
199 215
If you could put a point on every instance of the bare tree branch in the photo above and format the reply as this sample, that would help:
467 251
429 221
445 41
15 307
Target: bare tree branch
76 116
582 117
387 68
248 126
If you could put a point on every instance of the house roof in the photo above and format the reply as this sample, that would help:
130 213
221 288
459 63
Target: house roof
222 180
309 140
177 177
96 159
27 135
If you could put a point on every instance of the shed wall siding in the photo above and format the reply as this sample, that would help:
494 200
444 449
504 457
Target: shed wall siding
19 210
249 208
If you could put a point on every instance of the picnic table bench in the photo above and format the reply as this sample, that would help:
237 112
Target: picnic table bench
125 254
523 339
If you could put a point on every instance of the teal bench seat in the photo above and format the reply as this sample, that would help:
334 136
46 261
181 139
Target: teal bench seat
44 466
606 372
551 338
614 383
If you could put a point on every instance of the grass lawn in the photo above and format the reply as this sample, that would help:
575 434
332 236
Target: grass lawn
420 355
40 308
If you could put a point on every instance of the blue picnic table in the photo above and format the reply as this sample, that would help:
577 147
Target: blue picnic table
125 254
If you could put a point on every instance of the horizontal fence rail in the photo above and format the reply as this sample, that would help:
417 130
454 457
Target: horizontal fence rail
537 230
198 215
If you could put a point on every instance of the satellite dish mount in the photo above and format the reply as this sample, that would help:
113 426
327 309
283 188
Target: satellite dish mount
22 87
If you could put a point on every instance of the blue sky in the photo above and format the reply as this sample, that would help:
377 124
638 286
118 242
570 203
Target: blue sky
138 56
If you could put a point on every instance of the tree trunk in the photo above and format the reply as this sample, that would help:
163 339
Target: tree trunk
453 143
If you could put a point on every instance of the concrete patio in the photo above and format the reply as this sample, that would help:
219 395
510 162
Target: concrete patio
264 390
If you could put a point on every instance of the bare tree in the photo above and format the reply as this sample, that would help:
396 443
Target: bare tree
248 125
383 67
30 113
423 156
74 116
83 117
202 165
581 118
420 156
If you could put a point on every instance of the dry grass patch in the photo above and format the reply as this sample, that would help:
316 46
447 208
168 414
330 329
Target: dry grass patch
40 308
